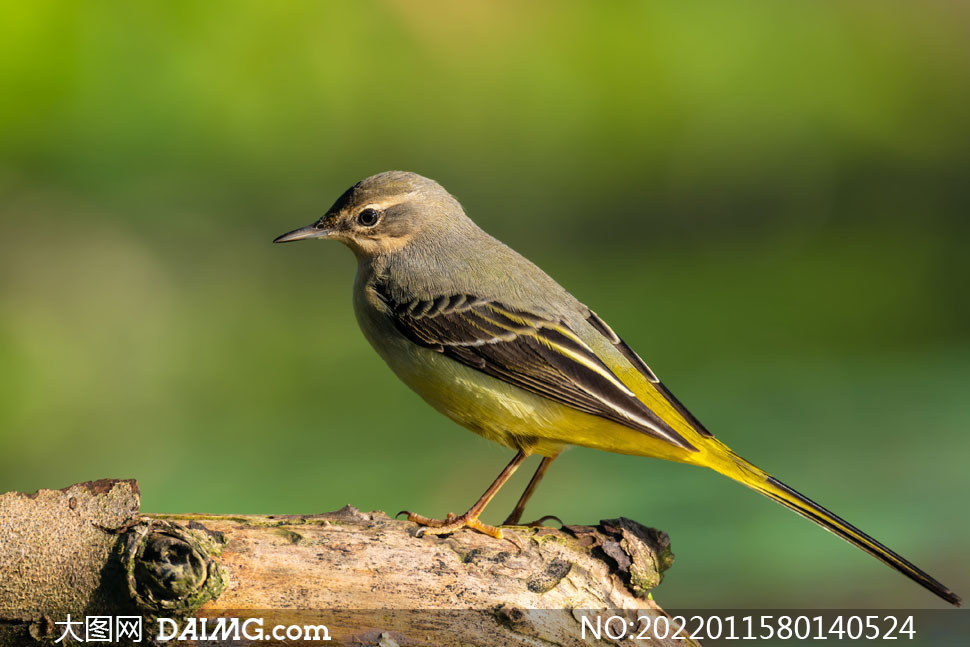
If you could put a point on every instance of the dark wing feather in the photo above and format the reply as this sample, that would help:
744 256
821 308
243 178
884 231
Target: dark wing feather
641 366
528 351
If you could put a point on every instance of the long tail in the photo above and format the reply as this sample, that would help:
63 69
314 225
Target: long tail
744 472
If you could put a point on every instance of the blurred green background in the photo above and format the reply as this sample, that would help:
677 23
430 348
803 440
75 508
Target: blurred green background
768 201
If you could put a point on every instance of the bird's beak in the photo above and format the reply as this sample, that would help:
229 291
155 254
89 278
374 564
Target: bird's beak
315 230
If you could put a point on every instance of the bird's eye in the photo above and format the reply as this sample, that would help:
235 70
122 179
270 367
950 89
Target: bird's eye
368 217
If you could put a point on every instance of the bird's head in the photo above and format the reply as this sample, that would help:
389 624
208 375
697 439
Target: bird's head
383 213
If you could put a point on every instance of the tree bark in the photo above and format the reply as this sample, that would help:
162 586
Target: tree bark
86 550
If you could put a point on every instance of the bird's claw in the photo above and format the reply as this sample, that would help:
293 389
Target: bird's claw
514 540
540 522
428 522
451 524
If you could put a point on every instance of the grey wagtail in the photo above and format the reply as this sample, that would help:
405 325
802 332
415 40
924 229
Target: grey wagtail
492 342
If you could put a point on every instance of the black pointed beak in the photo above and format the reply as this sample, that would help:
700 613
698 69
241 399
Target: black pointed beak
303 233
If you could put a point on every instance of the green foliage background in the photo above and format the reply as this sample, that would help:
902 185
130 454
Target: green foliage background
768 201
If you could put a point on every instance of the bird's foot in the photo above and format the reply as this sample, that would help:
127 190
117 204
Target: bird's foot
450 524
540 522
421 520
515 519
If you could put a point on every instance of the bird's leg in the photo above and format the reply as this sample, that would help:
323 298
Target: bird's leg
516 515
470 518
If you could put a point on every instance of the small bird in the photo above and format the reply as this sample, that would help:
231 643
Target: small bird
491 341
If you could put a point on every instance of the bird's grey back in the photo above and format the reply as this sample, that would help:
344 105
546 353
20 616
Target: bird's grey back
452 255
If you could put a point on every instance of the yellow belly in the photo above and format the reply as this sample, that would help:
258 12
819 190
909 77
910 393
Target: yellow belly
495 409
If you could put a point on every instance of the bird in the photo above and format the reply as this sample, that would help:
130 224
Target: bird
494 343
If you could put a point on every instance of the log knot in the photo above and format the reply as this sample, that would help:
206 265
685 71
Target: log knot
171 568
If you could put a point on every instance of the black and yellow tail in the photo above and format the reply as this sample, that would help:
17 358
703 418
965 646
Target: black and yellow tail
758 480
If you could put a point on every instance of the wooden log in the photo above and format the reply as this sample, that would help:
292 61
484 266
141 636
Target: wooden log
86 550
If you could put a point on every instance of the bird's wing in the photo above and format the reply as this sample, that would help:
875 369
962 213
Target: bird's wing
657 396
530 351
